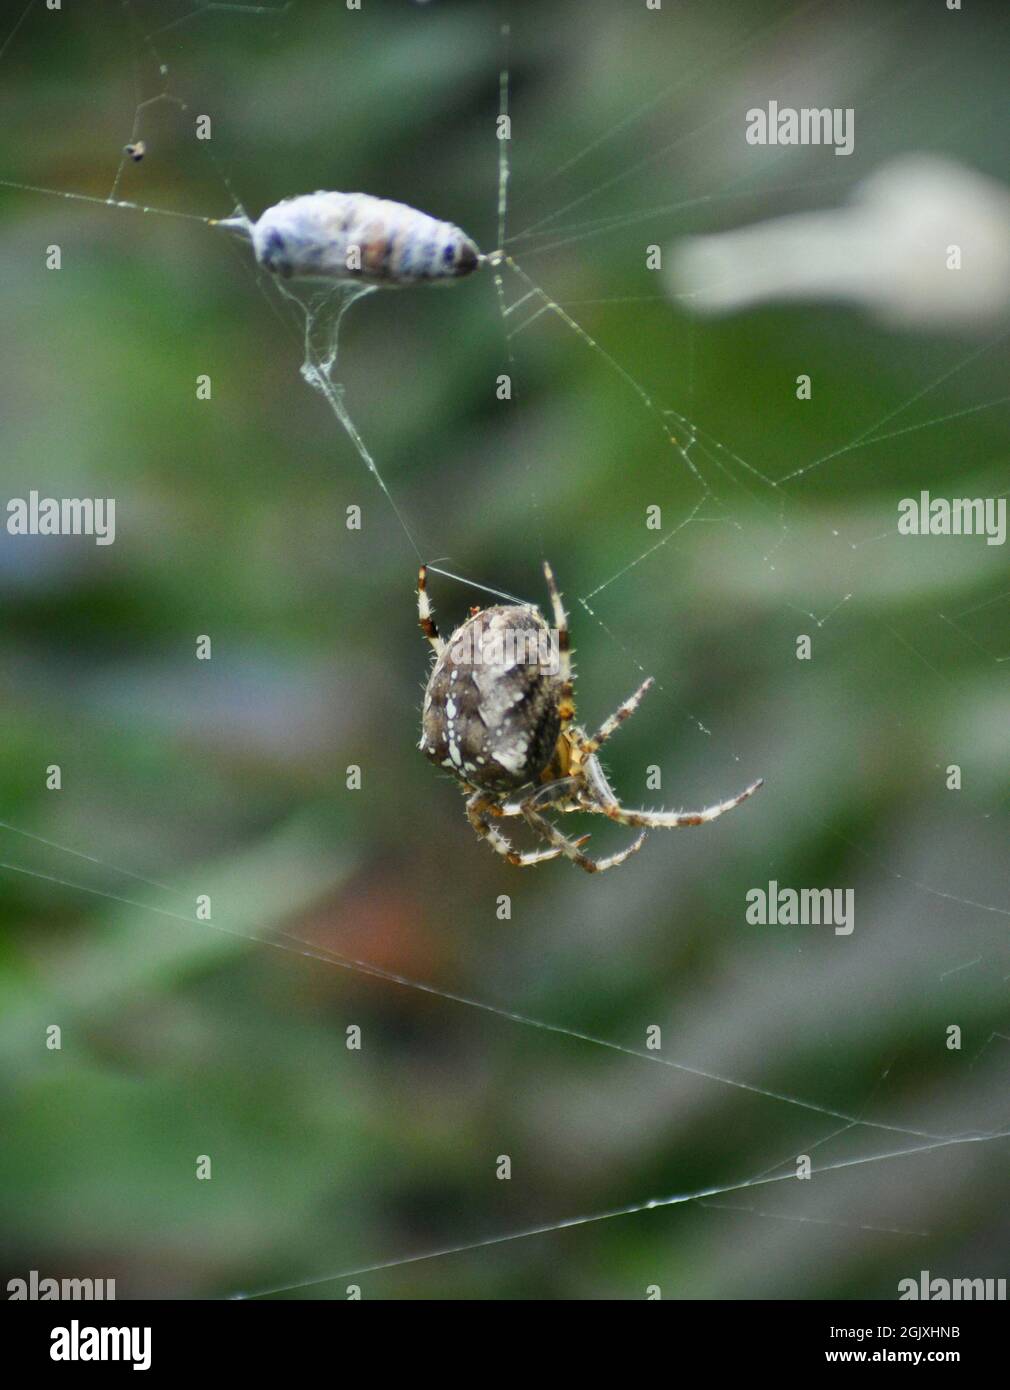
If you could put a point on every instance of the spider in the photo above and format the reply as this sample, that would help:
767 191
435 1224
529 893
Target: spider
499 712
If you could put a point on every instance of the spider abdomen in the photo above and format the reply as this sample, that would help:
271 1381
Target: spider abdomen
491 712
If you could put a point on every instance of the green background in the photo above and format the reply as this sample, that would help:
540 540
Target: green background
227 777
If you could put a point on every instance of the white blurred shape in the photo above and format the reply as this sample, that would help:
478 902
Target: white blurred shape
888 250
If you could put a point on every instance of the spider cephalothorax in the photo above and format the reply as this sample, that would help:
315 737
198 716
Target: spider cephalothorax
498 712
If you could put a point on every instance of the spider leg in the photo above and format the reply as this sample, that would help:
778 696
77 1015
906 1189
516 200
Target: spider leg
425 615
566 701
522 859
674 820
609 726
571 848
543 796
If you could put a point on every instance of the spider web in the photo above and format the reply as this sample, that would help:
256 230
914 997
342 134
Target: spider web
892 1123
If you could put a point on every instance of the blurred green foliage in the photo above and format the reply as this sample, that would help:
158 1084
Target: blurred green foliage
227 777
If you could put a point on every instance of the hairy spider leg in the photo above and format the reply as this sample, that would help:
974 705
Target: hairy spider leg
476 810
674 820
570 848
610 725
545 796
566 703
425 613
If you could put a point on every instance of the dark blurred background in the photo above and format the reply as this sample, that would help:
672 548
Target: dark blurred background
227 777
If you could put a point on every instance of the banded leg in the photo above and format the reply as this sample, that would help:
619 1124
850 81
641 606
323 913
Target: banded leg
425 616
547 795
674 820
571 849
566 703
522 859
609 726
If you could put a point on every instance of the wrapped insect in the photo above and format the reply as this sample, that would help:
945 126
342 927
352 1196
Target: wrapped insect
357 237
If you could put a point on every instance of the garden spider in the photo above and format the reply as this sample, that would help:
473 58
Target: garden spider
499 712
